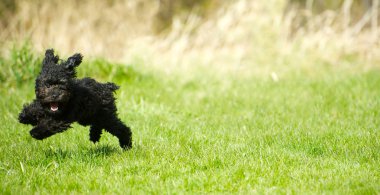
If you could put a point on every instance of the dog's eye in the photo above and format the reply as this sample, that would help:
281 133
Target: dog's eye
48 85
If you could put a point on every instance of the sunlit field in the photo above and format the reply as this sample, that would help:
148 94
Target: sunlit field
237 102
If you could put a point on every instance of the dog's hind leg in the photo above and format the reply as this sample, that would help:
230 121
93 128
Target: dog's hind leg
95 133
121 131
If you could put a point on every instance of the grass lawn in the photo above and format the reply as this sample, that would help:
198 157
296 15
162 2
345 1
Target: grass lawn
306 133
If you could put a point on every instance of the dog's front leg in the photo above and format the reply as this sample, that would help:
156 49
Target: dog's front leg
40 132
47 127
31 113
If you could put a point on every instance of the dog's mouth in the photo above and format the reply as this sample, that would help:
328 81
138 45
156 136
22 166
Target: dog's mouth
54 106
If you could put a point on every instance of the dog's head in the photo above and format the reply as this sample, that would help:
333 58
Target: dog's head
54 83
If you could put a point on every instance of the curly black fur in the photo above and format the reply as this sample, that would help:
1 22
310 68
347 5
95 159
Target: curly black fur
62 99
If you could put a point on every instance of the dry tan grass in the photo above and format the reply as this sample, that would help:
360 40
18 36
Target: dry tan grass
243 36
93 27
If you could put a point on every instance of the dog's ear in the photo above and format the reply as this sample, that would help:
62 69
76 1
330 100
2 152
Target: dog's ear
74 61
50 57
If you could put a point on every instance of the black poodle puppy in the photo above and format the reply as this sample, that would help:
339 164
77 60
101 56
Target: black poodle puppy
62 99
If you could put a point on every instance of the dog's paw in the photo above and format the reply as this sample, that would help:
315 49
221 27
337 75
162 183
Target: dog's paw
26 119
126 144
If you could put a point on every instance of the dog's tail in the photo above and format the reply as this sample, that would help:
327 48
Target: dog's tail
112 86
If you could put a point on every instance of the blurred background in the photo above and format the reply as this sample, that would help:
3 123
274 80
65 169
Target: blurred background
238 35
236 96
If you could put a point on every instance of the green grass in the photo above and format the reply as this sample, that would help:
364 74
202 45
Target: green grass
305 133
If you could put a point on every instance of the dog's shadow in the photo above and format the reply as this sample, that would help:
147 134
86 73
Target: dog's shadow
103 150
82 153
